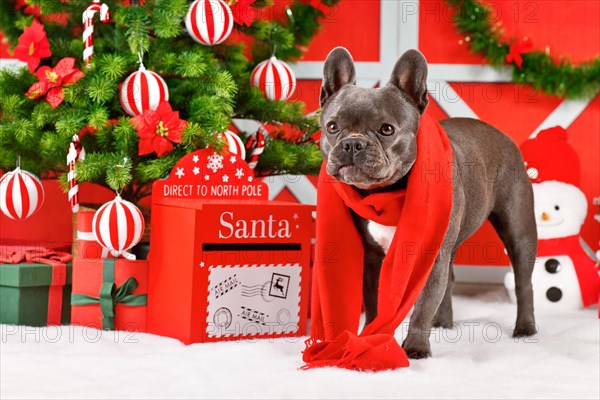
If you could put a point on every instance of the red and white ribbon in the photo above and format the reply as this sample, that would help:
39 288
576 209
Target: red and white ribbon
258 142
88 27
76 152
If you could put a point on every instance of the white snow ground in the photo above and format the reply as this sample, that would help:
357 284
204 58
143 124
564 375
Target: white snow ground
478 360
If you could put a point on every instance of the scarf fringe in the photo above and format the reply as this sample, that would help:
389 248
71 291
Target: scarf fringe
372 353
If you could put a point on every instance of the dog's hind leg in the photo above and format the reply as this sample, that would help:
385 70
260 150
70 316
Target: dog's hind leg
515 224
443 317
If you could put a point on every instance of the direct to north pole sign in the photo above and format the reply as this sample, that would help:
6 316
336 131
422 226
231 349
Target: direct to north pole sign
206 174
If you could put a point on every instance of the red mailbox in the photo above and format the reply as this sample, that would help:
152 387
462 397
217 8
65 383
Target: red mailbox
226 263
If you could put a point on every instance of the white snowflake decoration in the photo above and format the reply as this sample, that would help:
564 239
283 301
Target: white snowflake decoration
225 178
206 177
180 173
239 173
195 159
196 170
249 179
215 162
233 159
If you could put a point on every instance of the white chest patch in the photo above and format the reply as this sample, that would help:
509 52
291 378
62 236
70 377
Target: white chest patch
382 234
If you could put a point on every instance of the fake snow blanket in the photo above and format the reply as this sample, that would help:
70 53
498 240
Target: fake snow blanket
477 359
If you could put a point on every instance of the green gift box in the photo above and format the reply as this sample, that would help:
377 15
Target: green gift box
35 294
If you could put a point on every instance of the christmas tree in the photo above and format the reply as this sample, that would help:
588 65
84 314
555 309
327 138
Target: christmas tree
56 96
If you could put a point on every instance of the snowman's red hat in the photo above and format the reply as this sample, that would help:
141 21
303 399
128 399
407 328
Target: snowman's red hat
548 157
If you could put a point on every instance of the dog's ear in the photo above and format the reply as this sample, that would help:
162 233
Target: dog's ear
410 76
337 72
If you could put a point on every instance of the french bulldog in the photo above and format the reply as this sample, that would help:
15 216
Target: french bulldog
369 142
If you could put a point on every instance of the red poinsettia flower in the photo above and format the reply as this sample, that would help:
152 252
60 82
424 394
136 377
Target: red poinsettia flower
517 49
52 80
33 45
29 9
243 12
158 129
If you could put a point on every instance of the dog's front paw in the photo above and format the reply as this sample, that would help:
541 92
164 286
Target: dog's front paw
416 350
522 330
443 322
418 354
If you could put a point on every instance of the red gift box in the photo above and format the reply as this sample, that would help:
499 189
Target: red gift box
87 246
110 286
225 262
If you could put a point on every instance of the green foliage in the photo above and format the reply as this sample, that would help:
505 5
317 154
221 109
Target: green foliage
472 18
208 86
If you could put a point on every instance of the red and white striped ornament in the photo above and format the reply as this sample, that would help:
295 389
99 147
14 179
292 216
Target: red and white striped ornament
235 144
209 22
88 27
118 226
274 78
143 90
21 194
256 144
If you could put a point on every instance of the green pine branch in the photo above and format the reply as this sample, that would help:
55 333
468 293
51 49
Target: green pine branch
208 86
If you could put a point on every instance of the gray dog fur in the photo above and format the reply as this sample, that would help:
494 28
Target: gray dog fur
489 178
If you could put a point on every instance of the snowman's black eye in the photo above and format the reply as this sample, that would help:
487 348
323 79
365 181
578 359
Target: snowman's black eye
556 208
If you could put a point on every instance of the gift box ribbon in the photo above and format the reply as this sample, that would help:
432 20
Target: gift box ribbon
45 255
111 294
90 237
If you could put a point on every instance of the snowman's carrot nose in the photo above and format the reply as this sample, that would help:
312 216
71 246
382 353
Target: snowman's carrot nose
545 216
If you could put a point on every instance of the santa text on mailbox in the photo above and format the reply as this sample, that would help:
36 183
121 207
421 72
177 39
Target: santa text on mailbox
270 228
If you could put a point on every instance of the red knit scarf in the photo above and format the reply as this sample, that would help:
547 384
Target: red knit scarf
421 214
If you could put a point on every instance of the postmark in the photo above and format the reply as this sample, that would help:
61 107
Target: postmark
222 318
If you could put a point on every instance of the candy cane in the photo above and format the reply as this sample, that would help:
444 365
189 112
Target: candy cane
258 141
76 152
88 27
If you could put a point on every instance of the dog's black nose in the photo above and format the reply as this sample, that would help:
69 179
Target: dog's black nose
354 145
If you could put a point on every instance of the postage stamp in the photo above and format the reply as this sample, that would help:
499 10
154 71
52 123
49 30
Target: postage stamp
253 299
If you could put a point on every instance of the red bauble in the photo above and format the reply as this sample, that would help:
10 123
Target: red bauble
118 226
209 22
21 194
274 78
143 90
235 144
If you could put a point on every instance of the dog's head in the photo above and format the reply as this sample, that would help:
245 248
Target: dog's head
369 135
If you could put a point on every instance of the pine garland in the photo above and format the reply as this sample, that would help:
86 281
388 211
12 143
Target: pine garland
538 69
207 85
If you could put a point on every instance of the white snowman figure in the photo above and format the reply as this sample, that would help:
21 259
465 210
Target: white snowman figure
564 276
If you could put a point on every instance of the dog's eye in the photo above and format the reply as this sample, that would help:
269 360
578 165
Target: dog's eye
556 208
332 128
386 130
